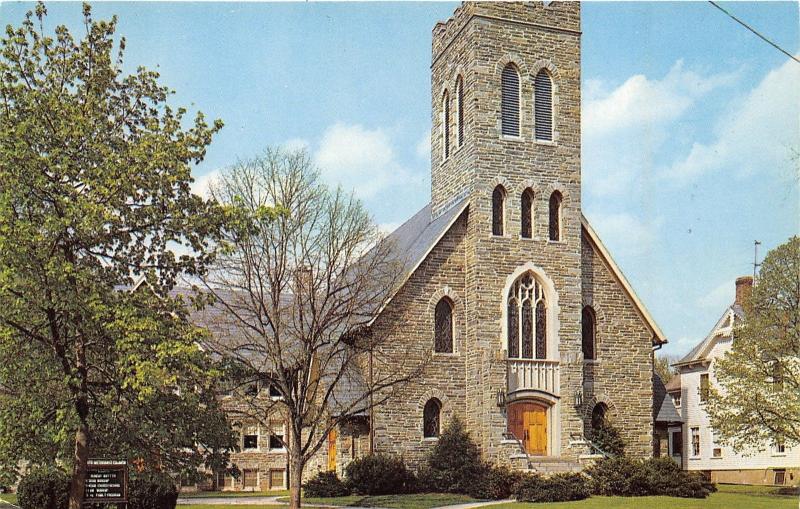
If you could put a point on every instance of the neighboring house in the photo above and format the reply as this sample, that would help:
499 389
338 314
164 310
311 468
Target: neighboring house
666 408
700 449
529 328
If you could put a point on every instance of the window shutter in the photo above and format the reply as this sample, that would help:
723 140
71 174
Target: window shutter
543 106
510 101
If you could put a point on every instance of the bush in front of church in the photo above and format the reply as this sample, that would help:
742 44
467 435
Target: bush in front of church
325 485
496 483
563 487
379 474
454 465
153 490
44 488
607 438
652 477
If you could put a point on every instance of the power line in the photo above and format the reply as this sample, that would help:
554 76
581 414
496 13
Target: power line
715 4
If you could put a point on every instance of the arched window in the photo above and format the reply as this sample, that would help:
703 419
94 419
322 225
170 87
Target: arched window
599 416
445 125
509 107
498 210
555 216
543 106
443 327
431 418
460 111
588 324
527 319
526 222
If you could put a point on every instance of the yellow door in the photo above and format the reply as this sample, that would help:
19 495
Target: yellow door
535 422
332 450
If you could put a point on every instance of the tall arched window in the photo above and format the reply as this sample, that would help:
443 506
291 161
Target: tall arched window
498 210
509 107
588 325
443 327
543 106
599 416
445 125
431 418
527 319
555 216
460 111
526 221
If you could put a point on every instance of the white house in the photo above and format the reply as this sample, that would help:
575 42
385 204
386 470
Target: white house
694 443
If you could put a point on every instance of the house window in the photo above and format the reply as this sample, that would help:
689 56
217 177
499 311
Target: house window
274 392
695 442
498 210
431 417
588 321
543 106
276 479
250 438
509 101
779 447
780 476
224 481
460 111
276 441
527 316
704 387
443 327
526 214
677 443
250 478
445 125
555 216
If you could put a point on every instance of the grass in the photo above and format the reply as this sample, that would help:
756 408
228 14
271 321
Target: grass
413 501
229 506
9 497
237 494
760 491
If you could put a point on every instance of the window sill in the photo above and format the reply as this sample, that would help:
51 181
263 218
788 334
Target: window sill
779 455
504 236
716 457
695 458
247 451
445 354
277 451
557 242
591 361
430 439
530 239
506 137
547 143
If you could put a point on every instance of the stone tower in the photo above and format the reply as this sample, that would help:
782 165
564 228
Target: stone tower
470 52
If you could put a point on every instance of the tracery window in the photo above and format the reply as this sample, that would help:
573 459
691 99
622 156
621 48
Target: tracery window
443 326
588 325
509 108
498 210
527 319
543 106
431 418
460 111
526 223
555 216
445 125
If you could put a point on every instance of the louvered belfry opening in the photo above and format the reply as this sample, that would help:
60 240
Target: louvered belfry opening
446 125
543 106
460 106
510 101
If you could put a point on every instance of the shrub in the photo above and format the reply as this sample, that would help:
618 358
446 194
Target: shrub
154 490
454 464
655 476
496 483
325 484
555 488
44 488
378 474
607 438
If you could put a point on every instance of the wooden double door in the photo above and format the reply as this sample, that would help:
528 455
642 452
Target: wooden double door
528 422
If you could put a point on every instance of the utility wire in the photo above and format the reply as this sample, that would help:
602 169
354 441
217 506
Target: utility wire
715 4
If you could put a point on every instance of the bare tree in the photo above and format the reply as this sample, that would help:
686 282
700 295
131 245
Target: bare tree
300 279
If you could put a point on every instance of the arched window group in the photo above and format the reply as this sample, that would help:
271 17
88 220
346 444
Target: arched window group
510 103
527 209
431 418
527 319
588 331
443 326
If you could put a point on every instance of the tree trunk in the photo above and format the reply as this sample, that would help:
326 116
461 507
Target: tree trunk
296 466
79 468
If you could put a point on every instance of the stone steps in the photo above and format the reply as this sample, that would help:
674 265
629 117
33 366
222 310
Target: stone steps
545 465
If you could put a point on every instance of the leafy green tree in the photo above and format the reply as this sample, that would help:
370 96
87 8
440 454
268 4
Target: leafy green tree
95 195
662 364
757 398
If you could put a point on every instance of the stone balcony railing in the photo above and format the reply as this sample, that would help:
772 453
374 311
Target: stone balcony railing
533 374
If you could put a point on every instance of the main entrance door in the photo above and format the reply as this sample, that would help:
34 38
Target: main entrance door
528 422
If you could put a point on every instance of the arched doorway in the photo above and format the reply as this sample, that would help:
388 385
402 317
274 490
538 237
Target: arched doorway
527 421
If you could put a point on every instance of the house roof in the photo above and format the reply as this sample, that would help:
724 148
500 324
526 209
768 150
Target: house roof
723 328
674 383
658 335
663 408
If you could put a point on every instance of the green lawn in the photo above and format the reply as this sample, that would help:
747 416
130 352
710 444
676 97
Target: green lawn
237 494
9 497
415 501
228 506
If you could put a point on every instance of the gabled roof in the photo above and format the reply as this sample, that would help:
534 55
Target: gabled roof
663 408
658 334
723 328
674 384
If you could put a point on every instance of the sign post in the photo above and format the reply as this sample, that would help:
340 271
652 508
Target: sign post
106 482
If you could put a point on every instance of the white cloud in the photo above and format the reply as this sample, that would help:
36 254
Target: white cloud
423 148
359 159
201 184
296 144
627 235
756 132
624 127
719 298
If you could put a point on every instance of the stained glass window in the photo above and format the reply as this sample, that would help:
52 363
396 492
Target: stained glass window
443 333
498 212
526 320
541 341
588 332
431 417
513 328
526 222
527 330
555 216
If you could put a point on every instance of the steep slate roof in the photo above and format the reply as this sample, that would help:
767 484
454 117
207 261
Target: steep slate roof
663 407
721 329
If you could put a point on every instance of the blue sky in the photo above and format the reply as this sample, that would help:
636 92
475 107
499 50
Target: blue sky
688 119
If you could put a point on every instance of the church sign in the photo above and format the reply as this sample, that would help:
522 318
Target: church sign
106 481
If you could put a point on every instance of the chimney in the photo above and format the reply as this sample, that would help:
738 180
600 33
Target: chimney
744 286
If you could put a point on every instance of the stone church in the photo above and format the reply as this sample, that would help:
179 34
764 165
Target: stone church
531 326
